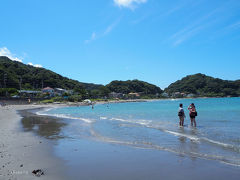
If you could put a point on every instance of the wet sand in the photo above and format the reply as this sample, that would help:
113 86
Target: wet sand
37 142
91 160
21 152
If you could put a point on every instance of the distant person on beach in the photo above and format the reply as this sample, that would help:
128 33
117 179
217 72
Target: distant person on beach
3 103
181 115
192 114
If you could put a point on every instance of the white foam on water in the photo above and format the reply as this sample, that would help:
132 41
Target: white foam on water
217 142
103 117
182 135
140 122
43 113
222 144
149 124
149 145
119 119
221 159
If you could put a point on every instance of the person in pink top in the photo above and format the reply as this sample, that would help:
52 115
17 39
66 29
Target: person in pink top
192 114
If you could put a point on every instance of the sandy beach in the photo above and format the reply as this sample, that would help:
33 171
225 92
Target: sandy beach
22 152
25 147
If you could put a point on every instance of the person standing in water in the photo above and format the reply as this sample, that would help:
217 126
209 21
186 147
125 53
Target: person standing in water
181 115
192 114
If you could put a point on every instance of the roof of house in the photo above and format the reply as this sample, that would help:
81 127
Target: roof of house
47 88
136 94
29 92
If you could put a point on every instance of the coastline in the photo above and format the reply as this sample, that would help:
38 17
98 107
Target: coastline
97 160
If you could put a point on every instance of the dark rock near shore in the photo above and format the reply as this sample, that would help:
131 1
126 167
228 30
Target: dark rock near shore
38 172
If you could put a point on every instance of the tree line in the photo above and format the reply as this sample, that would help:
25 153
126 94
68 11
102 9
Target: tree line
18 76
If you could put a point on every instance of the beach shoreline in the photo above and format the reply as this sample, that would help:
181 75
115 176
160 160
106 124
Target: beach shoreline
21 152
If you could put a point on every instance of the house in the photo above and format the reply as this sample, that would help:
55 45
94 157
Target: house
60 91
190 95
183 95
133 95
165 95
115 95
48 90
176 95
28 93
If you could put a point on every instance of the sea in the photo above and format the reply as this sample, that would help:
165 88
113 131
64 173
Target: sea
154 126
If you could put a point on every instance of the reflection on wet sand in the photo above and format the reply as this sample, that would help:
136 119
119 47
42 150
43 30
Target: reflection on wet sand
45 126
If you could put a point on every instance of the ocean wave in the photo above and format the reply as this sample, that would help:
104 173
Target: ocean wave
182 135
140 122
103 117
149 145
43 113
149 124
229 146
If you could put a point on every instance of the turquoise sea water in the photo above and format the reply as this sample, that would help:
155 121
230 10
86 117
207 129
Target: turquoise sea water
154 125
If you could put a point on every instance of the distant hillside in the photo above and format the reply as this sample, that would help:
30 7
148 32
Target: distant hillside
35 78
133 86
203 85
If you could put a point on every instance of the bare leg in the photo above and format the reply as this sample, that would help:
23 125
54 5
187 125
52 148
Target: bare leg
181 120
191 121
195 124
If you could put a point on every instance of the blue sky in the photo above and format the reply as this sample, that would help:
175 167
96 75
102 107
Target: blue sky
99 41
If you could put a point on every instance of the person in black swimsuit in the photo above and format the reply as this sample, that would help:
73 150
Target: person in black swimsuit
192 114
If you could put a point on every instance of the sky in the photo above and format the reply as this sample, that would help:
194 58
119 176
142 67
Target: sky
98 41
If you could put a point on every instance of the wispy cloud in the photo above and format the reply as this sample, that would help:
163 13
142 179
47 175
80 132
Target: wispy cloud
235 25
6 52
92 38
214 19
111 27
105 32
188 34
195 27
128 3
139 20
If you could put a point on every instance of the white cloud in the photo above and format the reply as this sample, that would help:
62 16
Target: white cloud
5 52
35 65
111 26
128 3
38 65
103 33
92 38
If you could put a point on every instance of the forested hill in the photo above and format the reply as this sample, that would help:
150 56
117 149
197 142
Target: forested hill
203 85
13 72
134 86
